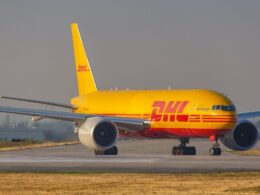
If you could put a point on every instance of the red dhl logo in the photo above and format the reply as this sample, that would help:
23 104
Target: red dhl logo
169 111
82 68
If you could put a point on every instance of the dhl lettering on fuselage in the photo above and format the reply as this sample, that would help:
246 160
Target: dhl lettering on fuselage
169 111
172 111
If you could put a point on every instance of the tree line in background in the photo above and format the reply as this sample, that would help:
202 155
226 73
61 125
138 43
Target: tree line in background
53 130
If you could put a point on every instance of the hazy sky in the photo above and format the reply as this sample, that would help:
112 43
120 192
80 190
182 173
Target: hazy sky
132 44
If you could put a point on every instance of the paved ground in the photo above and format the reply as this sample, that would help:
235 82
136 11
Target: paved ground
134 156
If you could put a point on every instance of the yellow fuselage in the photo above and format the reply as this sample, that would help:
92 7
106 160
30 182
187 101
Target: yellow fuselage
185 113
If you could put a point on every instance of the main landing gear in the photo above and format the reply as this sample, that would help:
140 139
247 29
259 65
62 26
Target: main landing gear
182 149
110 151
215 150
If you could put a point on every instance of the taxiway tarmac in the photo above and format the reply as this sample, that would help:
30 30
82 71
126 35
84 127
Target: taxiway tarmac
134 156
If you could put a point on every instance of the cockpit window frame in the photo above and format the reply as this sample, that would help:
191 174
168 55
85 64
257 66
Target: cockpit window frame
225 108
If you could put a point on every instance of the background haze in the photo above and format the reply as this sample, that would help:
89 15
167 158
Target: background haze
131 44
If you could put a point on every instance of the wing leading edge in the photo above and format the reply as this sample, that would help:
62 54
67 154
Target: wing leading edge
39 102
126 124
247 115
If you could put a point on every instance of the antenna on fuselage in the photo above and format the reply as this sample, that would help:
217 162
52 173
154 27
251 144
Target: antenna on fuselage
225 94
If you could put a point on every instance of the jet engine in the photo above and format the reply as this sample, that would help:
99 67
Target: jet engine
243 137
98 133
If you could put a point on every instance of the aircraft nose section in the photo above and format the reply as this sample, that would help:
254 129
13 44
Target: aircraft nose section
222 121
227 121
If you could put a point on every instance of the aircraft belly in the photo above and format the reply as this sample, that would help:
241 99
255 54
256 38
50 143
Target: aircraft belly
184 132
190 129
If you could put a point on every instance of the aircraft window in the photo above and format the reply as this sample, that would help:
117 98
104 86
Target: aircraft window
228 108
224 107
216 107
232 108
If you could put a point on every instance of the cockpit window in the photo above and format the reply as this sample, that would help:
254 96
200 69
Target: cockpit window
229 108
232 108
216 107
225 108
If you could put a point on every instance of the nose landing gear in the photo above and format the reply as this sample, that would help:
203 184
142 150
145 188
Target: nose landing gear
182 149
215 150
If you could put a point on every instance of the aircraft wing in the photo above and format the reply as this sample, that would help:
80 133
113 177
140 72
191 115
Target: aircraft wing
127 124
39 102
247 115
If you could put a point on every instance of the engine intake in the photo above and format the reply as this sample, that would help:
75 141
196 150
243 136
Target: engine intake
243 137
98 133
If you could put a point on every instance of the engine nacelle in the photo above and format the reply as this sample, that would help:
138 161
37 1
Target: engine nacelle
243 137
98 133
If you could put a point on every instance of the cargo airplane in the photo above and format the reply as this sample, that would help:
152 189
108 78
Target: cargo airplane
101 117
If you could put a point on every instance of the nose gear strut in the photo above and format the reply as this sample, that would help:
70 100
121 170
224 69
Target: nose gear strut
215 150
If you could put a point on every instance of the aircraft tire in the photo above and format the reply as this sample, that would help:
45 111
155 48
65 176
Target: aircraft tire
215 151
98 152
183 150
218 151
110 151
174 150
177 150
189 151
192 150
